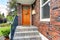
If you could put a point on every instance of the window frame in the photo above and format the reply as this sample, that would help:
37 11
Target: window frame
45 19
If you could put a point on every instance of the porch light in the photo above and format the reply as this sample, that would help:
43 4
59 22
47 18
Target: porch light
25 1
33 12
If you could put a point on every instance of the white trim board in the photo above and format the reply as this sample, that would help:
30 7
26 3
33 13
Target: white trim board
46 19
43 37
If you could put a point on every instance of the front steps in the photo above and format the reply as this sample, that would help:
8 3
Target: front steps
26 33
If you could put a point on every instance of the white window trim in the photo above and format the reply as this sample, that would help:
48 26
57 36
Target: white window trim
46 19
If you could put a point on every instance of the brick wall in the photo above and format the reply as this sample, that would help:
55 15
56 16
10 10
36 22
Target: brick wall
19 13
49 29
55 12
36 17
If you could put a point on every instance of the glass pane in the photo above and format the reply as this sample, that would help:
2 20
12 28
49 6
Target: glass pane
46 11
43 1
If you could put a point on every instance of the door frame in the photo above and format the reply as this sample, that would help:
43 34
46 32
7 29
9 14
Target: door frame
30 14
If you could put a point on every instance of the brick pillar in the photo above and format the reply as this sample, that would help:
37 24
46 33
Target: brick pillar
19 13
36 17
55 12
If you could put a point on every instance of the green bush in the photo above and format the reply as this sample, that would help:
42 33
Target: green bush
4 25
6 32
10 18
4 29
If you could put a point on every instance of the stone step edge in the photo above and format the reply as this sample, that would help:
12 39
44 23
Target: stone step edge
27 37
20 27
26 32
26 28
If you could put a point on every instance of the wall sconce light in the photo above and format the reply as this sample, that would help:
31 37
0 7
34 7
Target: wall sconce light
33 12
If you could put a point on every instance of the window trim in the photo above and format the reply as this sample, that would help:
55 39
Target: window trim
45 19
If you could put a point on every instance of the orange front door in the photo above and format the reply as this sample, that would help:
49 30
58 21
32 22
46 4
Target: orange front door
26 15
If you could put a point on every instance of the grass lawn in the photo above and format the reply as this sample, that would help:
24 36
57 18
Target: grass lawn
4 28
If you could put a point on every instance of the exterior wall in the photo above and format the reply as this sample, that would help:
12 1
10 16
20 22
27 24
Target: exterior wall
55 12
19 13
36 17
49 29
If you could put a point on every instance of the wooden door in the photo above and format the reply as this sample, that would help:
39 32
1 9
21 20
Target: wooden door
26 15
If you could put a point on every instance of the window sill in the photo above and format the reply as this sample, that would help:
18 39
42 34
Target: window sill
45 20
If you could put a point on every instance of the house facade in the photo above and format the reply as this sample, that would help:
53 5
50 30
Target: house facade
33 14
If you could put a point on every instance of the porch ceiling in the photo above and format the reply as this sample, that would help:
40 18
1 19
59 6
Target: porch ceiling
25 1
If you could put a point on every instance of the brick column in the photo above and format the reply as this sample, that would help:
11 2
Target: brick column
36 17
19 13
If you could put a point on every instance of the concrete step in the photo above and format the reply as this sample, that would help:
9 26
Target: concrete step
29 29
18 29
24 37
24 27
25 31
36 38
29 39
26 34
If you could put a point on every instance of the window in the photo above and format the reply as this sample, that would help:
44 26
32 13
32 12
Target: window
44 10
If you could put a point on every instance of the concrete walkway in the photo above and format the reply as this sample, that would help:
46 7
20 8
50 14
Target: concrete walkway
2 38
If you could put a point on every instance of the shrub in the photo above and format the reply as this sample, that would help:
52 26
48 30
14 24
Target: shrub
6 32
4 25
10 18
